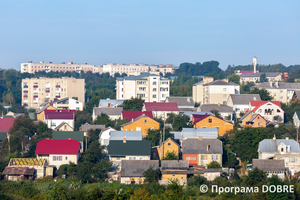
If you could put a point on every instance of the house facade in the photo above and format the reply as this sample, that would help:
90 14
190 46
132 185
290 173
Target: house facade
210 121
253 120
174 170
142 123
54 119
240 102
68 103
161 151
270 110
104 136
255 77
113 113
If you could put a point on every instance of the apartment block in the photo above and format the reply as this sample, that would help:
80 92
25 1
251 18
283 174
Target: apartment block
209 91
35 91
31 67
150 87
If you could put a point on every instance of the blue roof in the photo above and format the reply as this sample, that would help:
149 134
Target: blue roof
103 103
177 135
270 145
130 135
199 132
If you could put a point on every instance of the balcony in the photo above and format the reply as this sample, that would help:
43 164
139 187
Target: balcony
47 91
25 86
25 91
57 86
57 96
25 96
35 86
35 96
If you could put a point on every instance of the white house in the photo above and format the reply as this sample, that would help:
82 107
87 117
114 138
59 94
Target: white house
68 103
113 113
104 136
54 119
270 110
240 102
58 152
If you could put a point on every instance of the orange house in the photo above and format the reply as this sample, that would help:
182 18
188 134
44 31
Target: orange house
161 151
142 123
210 121
41 112
253 120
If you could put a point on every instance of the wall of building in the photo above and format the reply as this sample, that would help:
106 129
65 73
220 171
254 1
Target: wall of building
66 159
191 162
142 125
208 159
52 123
222 125
165 148
174 176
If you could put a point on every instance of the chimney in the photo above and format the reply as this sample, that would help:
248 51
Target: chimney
219 104
69 138
207 80
274 138
287 138
48 138
276 84
226 80
200 138
132 119
207 147
124 139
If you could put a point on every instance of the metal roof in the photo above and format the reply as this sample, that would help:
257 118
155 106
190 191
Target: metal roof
129 148
269 165
105 103
220 82
108 111
86 127
64 135
218 107
181 101
136 168
130 135
244 99
174 164
269 74
199 146
199 132
278 85
270 145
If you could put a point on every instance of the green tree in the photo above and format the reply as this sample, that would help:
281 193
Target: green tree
133 104
82 117
178 121
255 177
234 78
263 78
263 93
171 156
151 175
213 165
196 180
104 119
216 113
155 136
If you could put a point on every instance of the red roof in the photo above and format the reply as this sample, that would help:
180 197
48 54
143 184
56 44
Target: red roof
59 115
134 114
72 111
258 104
198 118
48 146
161 106
5 124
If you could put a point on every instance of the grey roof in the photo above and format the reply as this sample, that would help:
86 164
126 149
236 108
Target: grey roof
177 135
220 108
199 146
181 101
86 127
190 113
297 94
105 103
174 164
129 148
271 74
42 109
130 135
280 85
220 82
199 132
136 168
244 99
108 111
142 76
199 83
270 145
269 165
190 109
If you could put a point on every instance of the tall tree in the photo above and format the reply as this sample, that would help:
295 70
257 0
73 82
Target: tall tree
133 104
263 93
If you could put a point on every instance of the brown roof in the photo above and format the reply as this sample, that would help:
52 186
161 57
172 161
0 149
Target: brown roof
269 165
18 171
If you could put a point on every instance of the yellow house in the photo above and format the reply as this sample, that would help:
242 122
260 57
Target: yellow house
174 170
210 121
142 123
40 114
167 146
253 120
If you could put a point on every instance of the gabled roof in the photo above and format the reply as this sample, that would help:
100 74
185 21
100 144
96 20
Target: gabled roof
130 135
278 85
86 127
18 171
5 124
136 119
161 106
65 147
298 114
64 135
169 139
59 115
199 146
258 104
181 101
244 99
108 111
61 125
198 118
136 168
254 116
199 132
270 145
42 109
245 115
174 164
220 82
134 114
269 165
60 111
130 148
106 103
218 107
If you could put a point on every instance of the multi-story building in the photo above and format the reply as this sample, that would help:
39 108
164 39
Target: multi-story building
255 77
112 68
150 87
164 69
35 91
281 91
209 91
31 67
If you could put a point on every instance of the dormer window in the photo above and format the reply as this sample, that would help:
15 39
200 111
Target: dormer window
282 150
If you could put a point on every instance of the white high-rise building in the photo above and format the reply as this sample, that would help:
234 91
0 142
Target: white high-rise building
150 87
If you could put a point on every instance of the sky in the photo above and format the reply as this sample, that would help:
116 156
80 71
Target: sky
149 32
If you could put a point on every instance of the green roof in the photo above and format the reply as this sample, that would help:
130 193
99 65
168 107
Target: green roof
130 148
3 135
298 114
64 135
8 116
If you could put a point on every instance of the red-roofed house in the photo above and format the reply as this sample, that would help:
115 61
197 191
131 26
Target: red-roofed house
54 119
58 152
270 110
5 124
130 115
160 109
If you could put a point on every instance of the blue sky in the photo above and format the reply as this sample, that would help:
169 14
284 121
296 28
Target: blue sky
149 32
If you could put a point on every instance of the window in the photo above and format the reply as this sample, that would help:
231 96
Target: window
210 120
257 117
278 110
131 158
274 94
154 83
154 89
154 96
224 96
187 158
118 158
173 175
259 124
57 158
292 159
145 121
193 158
281 98
281 91
151 128
138 128
281 150
224 89
169 144
214 157
66 158
203 157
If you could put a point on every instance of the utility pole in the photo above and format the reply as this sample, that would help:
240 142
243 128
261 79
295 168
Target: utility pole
164 130
297 133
